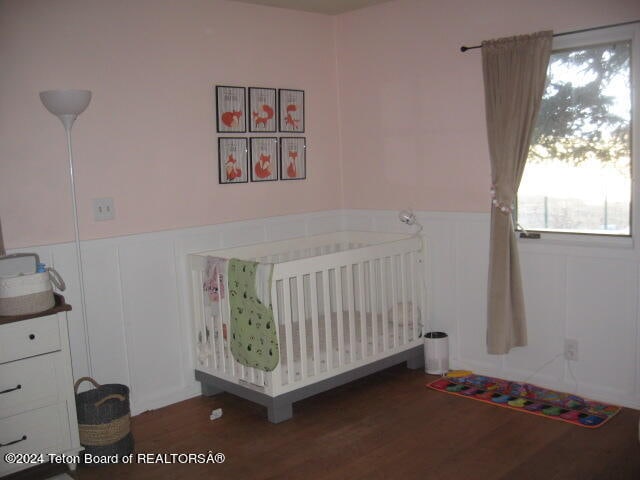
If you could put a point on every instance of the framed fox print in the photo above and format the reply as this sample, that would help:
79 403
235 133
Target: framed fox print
293 158
291 110
262 109
232 160
231 110
264 159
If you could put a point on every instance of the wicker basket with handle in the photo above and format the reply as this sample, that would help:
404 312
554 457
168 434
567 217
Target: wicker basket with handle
104 418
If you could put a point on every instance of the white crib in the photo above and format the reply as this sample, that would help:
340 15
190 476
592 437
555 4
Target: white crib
345 305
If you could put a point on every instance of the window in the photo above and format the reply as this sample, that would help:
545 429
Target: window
578 173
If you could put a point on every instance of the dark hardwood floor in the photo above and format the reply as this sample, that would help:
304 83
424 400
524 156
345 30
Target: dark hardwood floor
387 426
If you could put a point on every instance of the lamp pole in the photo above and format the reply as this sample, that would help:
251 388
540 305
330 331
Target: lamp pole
67 105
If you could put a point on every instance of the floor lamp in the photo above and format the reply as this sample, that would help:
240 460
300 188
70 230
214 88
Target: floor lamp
67 105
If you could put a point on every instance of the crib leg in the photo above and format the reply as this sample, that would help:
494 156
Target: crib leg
279 411
415 362
209 390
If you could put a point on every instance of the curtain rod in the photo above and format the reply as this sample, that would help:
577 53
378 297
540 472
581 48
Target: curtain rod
464 49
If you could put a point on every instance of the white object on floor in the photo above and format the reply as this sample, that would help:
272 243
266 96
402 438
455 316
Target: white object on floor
215 414
62 476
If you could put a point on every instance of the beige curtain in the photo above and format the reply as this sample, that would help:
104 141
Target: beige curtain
514 77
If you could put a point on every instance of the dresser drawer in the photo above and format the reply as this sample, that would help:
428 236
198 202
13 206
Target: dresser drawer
28 338
43 431
28 384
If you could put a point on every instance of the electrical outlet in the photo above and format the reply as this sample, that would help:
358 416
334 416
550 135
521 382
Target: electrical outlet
103 209
571 349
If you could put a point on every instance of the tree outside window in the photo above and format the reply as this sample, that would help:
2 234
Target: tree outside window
578 173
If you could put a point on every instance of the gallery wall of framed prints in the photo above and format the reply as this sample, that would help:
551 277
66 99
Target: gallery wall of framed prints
254 156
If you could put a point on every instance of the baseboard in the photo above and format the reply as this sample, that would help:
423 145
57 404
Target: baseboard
167 398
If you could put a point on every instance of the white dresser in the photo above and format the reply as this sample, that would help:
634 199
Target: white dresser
37 402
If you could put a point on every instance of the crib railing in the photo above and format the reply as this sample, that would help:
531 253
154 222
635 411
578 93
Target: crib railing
337 306
375 293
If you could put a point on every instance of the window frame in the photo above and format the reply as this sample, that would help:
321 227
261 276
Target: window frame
593 38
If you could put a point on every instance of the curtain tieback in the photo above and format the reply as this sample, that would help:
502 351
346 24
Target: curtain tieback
503 207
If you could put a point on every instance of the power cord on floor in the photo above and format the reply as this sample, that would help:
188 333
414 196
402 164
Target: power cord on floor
559 355
526 380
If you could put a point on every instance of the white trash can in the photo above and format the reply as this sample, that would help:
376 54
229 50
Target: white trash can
436 353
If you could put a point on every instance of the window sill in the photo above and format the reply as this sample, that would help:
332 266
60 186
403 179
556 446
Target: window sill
578 240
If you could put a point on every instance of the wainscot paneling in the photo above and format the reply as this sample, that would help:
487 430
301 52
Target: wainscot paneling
139 323
577 290
138 313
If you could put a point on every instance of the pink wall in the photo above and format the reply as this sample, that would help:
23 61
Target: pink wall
148 138
411 118
412 106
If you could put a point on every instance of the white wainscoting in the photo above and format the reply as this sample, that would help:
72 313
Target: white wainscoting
138 318
571 291
140 331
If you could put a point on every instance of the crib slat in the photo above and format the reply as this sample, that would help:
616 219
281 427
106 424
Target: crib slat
286 292
374 306
423 292
411 287
302 328
276 380
383 304
197 278
200 315
363 311
314 323
215 308
403 296
394 300
231 366
328 343
352 324
222 317
339 310
415 291
218 322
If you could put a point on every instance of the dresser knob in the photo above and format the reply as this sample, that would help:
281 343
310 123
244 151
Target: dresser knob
31 336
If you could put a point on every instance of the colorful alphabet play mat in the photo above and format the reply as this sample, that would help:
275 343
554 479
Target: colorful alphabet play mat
528 398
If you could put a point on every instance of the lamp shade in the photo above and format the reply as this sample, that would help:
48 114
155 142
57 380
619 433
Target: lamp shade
66 104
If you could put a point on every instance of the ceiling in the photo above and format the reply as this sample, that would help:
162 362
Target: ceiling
328 7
